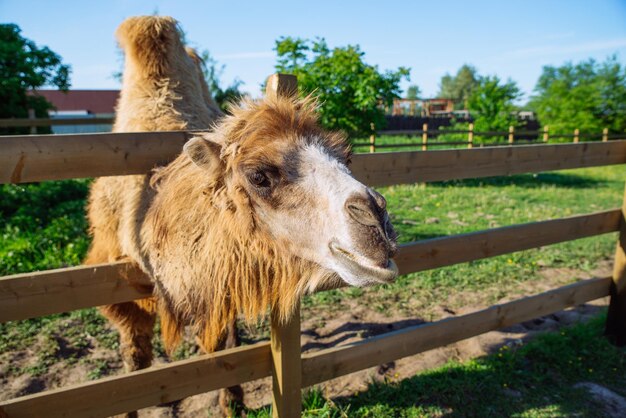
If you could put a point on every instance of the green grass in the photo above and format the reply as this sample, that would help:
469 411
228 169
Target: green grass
43 226
438 209
533 380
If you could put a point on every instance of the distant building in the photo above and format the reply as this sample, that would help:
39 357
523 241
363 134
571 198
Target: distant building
422 107
81 104
526 115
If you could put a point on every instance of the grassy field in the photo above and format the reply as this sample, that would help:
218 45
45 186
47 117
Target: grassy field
43 227
414 142
432 210
539 379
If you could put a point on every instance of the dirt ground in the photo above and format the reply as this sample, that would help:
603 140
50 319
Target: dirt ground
320 330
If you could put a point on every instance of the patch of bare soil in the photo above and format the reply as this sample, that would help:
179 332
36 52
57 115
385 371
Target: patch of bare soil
321 330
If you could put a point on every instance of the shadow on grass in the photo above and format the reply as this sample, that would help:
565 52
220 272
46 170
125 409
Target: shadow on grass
353 329
536 380
531 181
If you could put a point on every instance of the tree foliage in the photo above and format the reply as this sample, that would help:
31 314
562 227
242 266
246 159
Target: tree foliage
413 92
213 71
351 90
459 88
492 104
589 96
24 67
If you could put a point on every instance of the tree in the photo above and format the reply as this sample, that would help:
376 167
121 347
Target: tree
212 74
588 96
460 87
492 104
413 92
352 91
24 67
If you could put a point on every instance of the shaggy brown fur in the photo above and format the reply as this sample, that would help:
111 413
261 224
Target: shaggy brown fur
194 226
206 249
163 88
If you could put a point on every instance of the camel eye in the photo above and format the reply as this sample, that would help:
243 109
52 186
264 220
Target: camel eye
259 179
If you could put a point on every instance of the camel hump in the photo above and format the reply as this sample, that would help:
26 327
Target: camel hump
149 40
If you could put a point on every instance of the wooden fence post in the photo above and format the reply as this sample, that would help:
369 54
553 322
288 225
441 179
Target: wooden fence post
470 136
605 134
32 116
373 138
546 130
285 335
511 135
576 133
616 317
424 137
286 367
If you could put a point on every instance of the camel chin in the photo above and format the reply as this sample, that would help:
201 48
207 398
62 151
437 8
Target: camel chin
357 270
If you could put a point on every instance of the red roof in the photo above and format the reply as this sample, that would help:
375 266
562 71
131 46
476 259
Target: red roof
93 101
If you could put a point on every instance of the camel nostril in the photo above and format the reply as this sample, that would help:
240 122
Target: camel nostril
361 211
356 210
381 202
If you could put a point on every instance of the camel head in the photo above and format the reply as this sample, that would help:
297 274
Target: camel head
289 181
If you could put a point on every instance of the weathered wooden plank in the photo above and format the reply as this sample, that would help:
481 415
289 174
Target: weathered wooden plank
334 362
32 158
286 367
54 157
152 386
385 169
285 332
41 293
616 316
445 251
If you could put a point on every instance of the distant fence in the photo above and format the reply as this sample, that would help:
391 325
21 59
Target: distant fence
443 121
511 137
54 157
29 123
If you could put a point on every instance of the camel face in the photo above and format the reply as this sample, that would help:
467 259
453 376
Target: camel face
301 193
322 214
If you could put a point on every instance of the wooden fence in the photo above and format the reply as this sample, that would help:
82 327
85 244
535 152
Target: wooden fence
511 137
36 158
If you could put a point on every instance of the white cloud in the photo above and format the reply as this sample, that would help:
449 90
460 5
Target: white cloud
559 36
584 47
246 55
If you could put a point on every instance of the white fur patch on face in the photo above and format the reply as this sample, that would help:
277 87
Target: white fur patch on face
319 230
324 176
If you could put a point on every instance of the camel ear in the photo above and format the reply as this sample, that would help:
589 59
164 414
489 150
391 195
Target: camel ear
205 154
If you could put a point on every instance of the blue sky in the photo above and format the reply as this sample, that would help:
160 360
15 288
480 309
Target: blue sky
508 38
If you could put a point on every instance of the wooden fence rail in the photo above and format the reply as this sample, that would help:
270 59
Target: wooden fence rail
407 167
178 380
338 361
143 388
31 295
43 157
31 158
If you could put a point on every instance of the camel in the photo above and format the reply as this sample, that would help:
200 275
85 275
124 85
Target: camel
255 212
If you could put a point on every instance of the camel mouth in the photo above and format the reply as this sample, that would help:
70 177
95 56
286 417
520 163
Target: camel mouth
362 268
